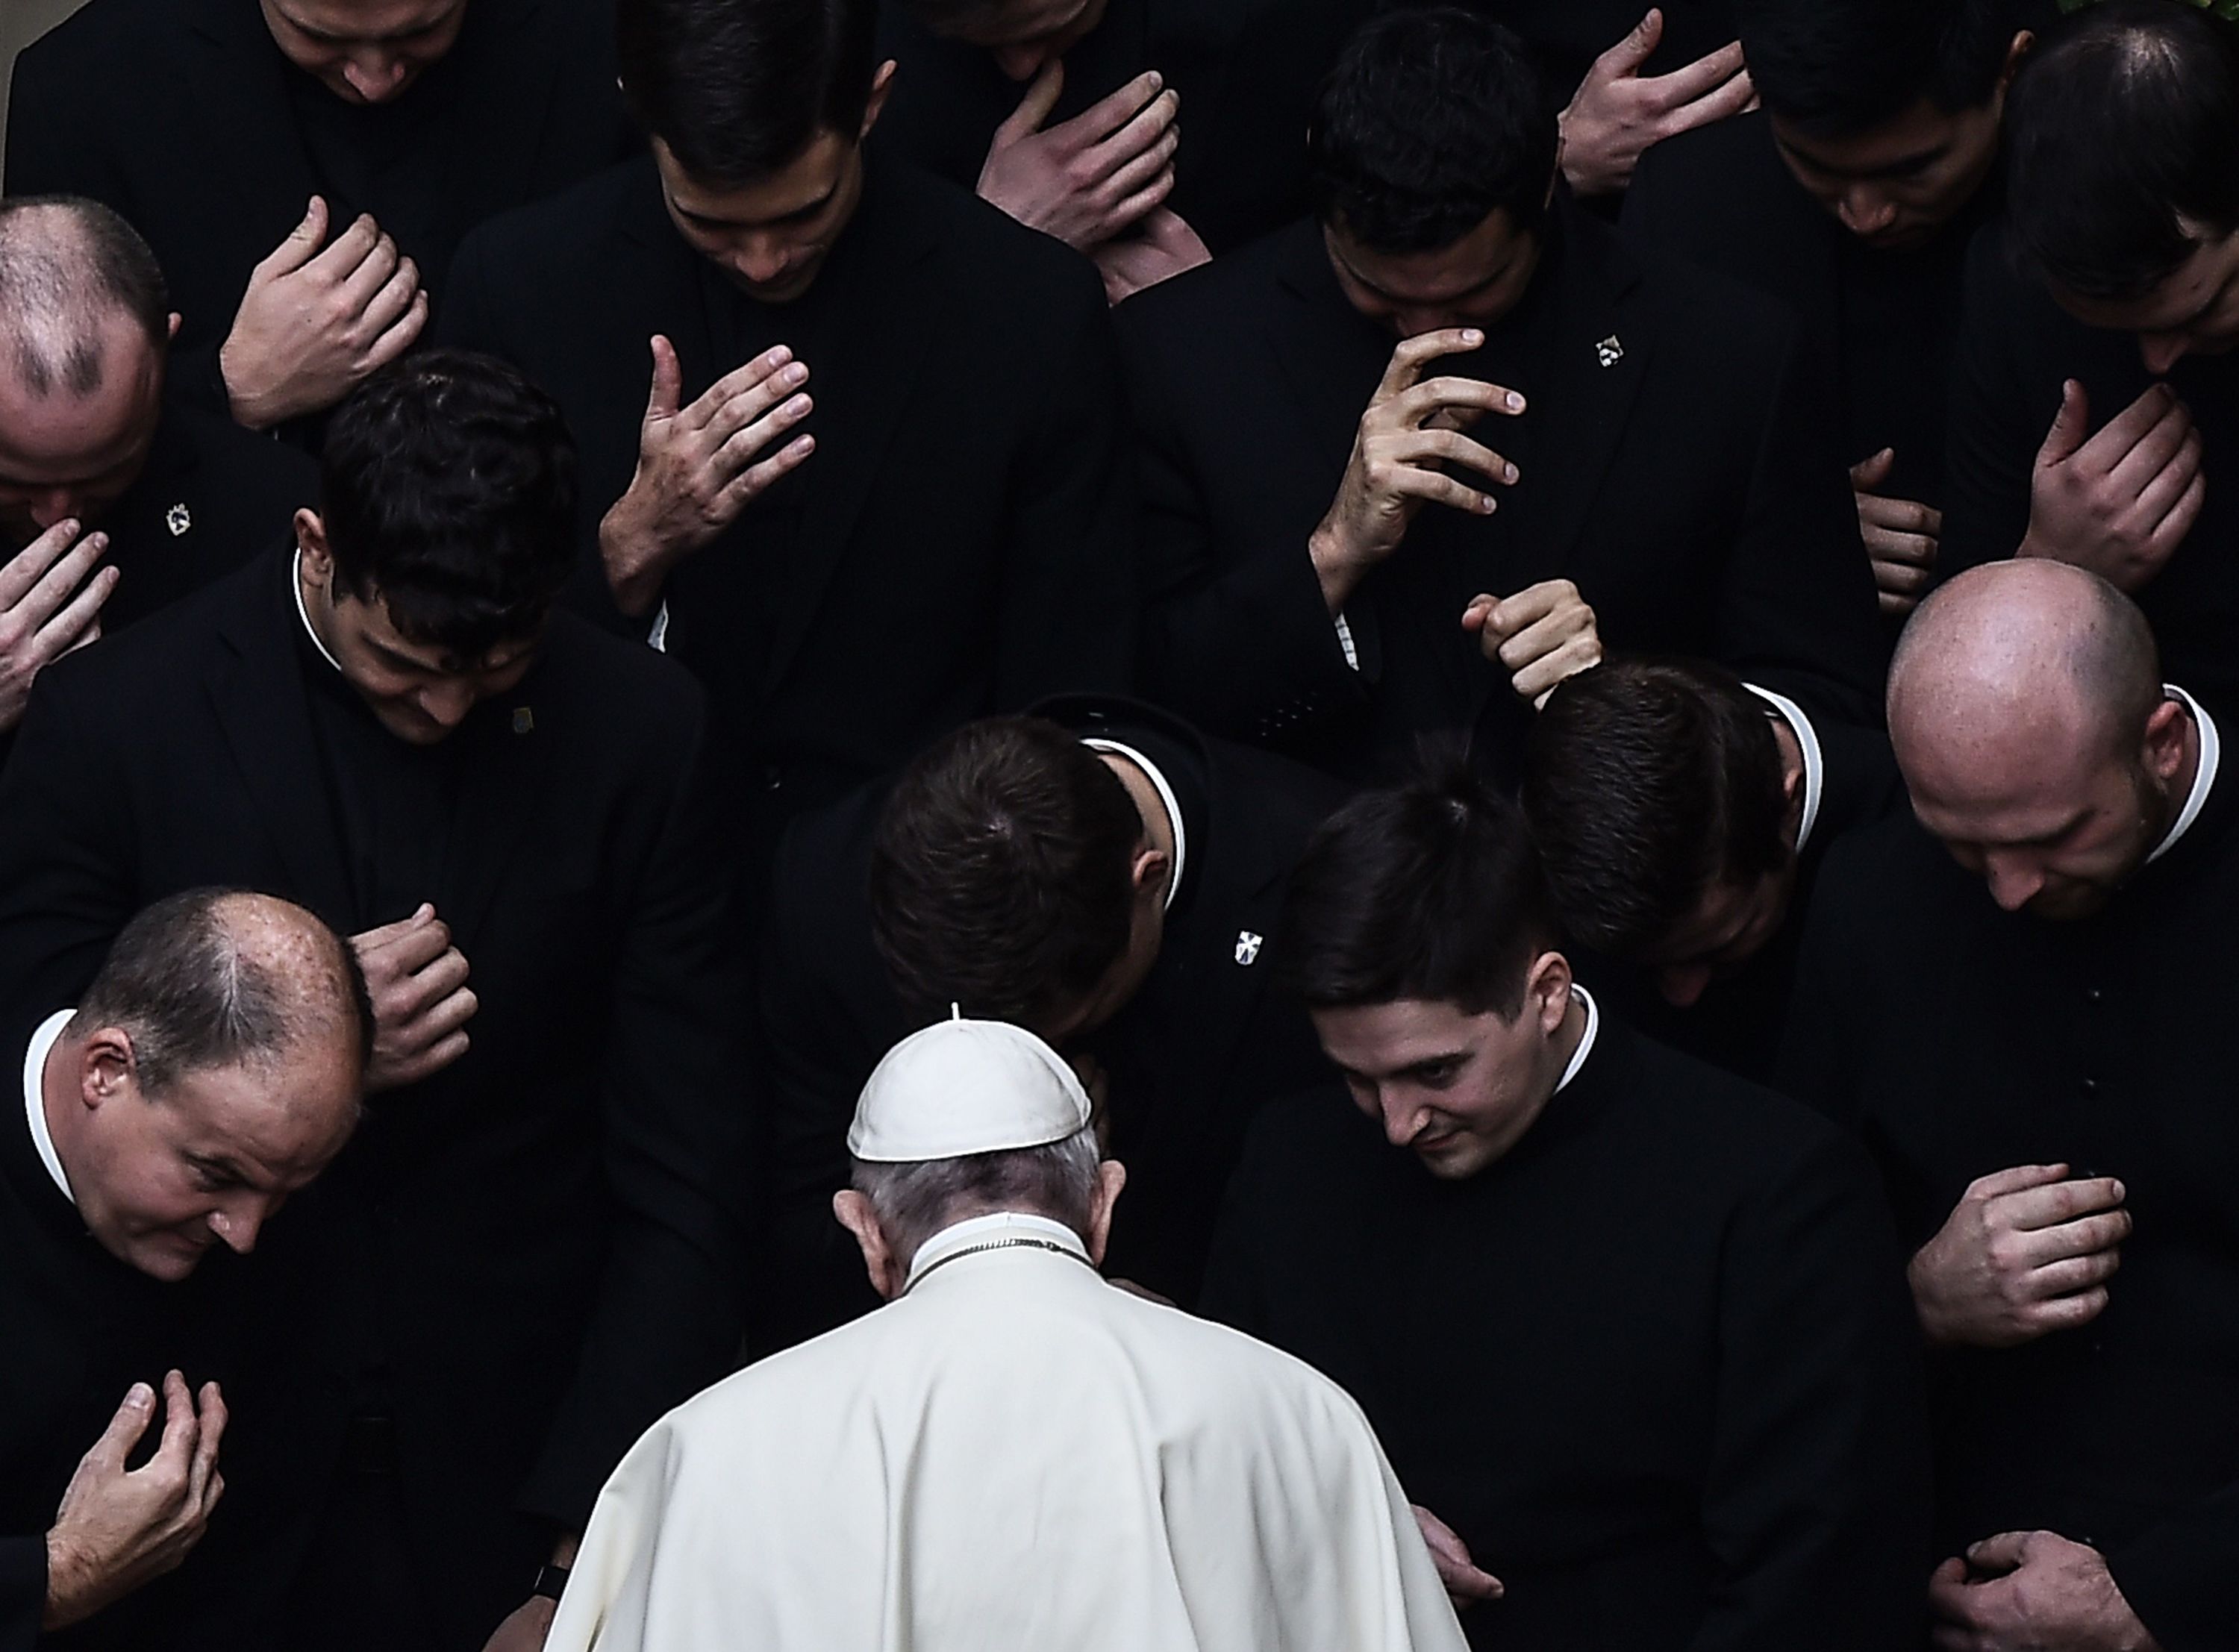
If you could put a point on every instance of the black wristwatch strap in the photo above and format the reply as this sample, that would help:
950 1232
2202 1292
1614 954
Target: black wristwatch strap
550 1580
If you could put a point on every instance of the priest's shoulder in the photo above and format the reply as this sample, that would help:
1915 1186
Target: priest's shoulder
102 39
1888 878
142 675
564 230
635 691
1202 309
1717 195
994 259
1712 1123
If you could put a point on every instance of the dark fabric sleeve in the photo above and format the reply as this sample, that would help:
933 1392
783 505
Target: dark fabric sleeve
1237 636
1071 605
678 1152
66 887
1998 420
1797 612
1816 1503
22 1591
814 1074
2178 1577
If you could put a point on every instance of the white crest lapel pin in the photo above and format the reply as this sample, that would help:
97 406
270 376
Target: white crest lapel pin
1247 947
1610 351
178 519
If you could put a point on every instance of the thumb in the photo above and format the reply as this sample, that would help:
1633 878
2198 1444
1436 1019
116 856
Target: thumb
667 391
303 242
125 1429
1034 108
1636 48
1869 474
2003 1553
2071 426
1479 615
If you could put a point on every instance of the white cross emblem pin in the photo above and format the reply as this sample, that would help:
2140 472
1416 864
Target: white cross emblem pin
178 519
1610 351
1247 947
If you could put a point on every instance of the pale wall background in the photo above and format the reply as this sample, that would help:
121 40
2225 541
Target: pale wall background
22 22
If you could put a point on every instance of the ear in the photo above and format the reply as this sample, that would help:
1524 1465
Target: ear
172 330
1152 869
878 1260
318 557
107 1069
2165 737
882 84
1547 991
2019 49
1111 1178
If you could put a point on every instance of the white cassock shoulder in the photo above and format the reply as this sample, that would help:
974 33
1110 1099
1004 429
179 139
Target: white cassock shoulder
1022 1458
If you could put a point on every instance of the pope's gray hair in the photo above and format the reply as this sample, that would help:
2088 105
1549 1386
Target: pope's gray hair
914 1201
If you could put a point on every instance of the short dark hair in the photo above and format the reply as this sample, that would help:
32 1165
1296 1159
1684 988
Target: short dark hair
2122 123
1430 891
448 485
191 997
1834 68
1650 783
736 88
1001 873
1433 119
65 262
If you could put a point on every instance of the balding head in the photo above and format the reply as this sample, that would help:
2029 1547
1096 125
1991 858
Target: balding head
2026 707
214 1066
85 322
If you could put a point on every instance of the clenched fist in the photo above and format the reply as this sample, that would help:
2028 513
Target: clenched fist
1539 636
2027 1251
417 981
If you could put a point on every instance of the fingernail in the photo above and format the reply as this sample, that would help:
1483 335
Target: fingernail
1487 503
2119 1190
1508 473
139 1393
1157 80
1515 402
1471 336
795 373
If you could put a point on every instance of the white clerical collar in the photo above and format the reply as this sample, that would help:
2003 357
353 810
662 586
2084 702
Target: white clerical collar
1585 1043
296 584
2212 753
34 1096
1004 1231
1815 760
1165 796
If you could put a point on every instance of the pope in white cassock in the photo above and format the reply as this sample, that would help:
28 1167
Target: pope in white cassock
1012 1453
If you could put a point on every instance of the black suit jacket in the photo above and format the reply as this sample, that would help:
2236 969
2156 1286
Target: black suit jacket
540 1244
1691 489
1655 1365
83 1327
212 497
1207 1039
198 145
949 97
2017 349
966 530
1959 1040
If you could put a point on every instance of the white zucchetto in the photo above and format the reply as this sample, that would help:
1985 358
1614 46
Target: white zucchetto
961 1087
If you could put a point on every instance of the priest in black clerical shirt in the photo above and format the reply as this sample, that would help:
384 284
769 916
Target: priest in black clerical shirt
213 1066
1683 818
535 1246
1321 507
1851 196
2042 1067
879 485
211 124
2096 412
1098 872
1629 1328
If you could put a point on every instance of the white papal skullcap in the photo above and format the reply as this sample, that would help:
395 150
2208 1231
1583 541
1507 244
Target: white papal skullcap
962 1087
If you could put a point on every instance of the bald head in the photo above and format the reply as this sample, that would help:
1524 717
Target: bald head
71 272
2012 653
216 978
2027 711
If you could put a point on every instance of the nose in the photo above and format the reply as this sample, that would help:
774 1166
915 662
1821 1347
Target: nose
448 703
237 1228
2161 351
761 262
55 505
1023 63
1681 985
1864 212
376 79
2012 884
1402 1121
